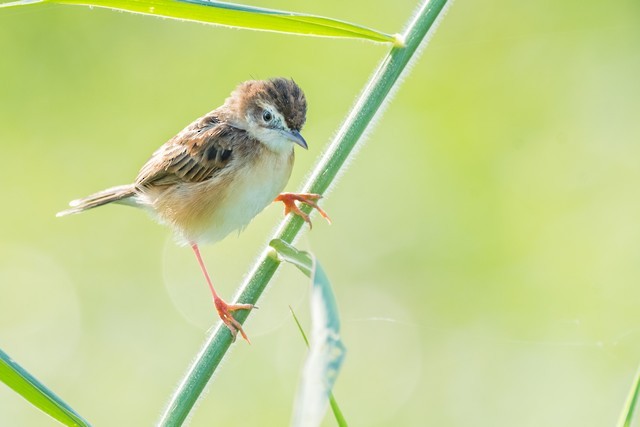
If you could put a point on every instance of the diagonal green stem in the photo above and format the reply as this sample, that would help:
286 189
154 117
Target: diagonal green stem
626 417
375 94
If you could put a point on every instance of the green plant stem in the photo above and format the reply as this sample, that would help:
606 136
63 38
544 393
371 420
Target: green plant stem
626 417
374 95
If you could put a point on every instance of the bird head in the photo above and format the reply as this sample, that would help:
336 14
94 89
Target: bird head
271 111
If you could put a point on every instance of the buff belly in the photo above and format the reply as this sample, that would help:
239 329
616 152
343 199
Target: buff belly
208 211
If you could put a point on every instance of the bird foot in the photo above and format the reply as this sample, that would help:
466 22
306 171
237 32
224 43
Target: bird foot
290 199
225 311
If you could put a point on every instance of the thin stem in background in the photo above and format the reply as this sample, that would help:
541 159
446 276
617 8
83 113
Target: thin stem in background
374 95
626 417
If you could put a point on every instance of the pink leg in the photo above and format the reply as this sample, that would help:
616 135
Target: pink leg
225 311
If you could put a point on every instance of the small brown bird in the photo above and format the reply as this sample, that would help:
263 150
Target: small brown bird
221 171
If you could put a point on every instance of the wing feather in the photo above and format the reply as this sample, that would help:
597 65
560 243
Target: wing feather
196 154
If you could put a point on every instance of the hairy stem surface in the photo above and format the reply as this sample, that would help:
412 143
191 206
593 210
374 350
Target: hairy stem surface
374 95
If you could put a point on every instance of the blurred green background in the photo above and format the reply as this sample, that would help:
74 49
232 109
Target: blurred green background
485 250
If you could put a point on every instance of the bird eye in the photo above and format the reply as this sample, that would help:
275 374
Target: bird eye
267 116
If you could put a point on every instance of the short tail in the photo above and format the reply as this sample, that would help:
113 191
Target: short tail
110 195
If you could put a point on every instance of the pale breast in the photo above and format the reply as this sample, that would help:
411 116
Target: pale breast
252 191
208 211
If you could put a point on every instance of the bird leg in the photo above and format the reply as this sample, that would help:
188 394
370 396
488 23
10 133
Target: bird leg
289 200
225 311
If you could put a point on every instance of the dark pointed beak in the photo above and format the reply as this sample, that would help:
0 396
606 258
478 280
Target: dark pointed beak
294 136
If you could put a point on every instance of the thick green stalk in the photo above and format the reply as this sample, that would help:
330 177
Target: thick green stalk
374 95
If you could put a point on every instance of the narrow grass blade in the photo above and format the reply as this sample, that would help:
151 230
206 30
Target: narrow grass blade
299 325
20 3
23 383
325 357
234 15
337 413
626 417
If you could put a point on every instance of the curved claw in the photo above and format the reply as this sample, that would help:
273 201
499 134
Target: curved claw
310 199
225 311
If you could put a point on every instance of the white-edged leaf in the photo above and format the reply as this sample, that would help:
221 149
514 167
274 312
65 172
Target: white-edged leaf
326 350
326 354
335 408
233 15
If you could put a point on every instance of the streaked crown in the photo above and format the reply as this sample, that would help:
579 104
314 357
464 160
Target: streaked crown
283 94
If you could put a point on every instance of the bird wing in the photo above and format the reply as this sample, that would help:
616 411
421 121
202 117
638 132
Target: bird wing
196 154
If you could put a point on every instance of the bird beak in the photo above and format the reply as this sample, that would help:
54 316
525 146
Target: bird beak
294 136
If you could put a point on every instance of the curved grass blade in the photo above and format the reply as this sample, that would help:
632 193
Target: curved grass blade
305 263
294 256
23 383
337 413
326 348
325 357
234 15
626 417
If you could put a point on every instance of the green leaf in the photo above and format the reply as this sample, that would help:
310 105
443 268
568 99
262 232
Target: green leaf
292 255
233 15
325 357
337 413
35 392
626 417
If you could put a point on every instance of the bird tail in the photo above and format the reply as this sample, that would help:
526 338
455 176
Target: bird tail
110 195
